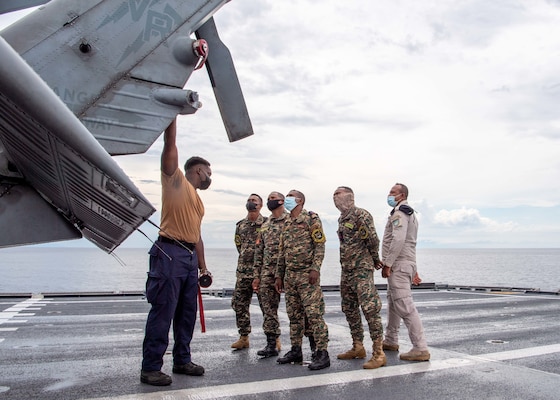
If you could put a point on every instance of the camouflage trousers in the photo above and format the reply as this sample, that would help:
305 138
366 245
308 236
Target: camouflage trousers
358 290
304 300
269 299
240 302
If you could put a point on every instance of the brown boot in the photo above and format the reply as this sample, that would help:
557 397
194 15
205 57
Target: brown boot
278 345
357 351
416 355
242 342
390 347
378 358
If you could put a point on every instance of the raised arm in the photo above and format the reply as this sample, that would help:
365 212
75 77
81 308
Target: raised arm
170 155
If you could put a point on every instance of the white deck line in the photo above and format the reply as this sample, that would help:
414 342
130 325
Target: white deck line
292 383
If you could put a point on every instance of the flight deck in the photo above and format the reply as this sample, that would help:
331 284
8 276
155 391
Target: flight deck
483 344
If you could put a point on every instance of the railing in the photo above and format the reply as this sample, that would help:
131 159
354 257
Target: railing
228 292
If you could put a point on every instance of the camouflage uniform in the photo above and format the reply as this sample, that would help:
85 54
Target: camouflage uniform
266 259
302 249
359 251
246 232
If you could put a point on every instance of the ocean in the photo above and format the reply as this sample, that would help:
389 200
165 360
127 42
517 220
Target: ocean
36 269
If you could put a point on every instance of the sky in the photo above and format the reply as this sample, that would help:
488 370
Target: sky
459 100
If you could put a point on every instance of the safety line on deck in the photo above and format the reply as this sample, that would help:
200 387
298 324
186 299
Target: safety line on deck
337 378
13 314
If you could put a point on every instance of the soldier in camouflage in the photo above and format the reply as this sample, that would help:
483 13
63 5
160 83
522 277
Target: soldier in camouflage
246 232
266 258
359 256
302 249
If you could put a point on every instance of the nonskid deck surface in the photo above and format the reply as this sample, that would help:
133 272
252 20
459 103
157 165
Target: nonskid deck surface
483 344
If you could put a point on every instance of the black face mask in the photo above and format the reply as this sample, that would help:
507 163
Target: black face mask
273 204
250 206
205 184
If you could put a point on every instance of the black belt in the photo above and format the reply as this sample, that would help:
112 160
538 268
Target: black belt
180 243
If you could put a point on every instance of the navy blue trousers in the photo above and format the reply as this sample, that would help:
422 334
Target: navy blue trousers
171 289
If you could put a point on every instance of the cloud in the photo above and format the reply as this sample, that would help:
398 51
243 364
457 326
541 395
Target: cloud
470 218
457 101
232 193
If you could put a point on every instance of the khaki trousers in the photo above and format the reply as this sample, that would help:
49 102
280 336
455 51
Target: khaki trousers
401 307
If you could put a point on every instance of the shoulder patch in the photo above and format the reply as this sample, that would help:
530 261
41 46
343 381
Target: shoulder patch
318 236
363 232
237 240
396 222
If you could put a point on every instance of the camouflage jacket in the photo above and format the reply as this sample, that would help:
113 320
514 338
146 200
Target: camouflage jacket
302 244
245 240
266 250
359 244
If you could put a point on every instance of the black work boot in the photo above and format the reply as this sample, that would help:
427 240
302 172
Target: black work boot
321 361
294 355
189 368
313 346
155 378
270 349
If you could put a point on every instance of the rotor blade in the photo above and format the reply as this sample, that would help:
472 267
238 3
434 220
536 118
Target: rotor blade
225 84
16 5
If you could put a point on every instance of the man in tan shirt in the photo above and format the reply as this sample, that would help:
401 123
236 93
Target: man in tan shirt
176 259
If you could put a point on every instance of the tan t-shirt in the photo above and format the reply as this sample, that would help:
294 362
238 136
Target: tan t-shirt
181 209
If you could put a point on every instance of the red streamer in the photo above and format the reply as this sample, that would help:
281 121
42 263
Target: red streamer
201 311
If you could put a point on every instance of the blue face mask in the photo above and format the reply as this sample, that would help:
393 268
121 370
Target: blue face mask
391 201
290 203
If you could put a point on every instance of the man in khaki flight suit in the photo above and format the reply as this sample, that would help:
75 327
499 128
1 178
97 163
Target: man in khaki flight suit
399 267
